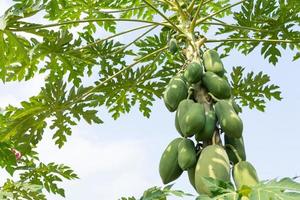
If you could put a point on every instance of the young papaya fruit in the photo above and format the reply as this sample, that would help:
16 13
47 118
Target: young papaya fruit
176 91
213 63
169 169
244 174
216 85
236 106
213 163
187 157
238 144
194 72
209 127
177 126
191 176
191 117
229 120
173 46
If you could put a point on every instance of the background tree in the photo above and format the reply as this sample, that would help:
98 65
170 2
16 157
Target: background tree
124 75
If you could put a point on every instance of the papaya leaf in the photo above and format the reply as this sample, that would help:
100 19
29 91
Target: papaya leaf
19 190
253 90
269 20
158 193
48 176
284 189
218 187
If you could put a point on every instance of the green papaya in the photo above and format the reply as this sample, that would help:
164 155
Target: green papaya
187 157
177 126
213 63
173 46
244 174
209 127
176 91
213 163
216 85
238 144
191 175
191 117
229 120
236 107
194 72
169 169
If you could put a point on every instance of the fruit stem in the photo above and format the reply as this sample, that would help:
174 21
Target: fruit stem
216 139
213 97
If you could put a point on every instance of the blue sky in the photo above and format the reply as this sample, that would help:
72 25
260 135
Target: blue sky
120 158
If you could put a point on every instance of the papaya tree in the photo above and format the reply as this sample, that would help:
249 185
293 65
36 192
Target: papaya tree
177 59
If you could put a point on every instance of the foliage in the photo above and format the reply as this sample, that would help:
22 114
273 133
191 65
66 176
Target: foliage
75 42
252 90
265 20
285 188
157 193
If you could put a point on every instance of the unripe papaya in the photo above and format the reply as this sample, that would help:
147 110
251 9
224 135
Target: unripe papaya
216 85
214 163
209 127
177 126
213 63
229 120
191 175
238 144
191 117
187 157
169 169
194 72
244 174
173 47
236 107
176 91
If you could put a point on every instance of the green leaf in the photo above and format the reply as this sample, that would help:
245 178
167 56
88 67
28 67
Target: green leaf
253 90
284 189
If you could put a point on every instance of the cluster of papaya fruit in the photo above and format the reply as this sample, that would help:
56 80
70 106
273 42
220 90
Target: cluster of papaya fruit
201 96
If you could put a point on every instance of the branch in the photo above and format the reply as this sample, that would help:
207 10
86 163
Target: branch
193 23
163 16
181 12
253 40
113 76
112 36
233 26
191 6
86 21
138 38
214 14
124 9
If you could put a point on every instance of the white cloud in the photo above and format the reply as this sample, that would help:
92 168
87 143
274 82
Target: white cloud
108 169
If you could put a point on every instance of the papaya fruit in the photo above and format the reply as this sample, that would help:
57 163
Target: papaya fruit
238 144
229 120
169 169
177 126
191 117
193 72
216 85
191 176
236 107
213 163
209 127
173 46
213 63
187 157
176 91
244 174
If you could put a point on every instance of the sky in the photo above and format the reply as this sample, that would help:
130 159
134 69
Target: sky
120 158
